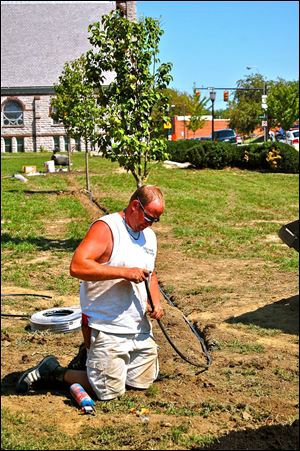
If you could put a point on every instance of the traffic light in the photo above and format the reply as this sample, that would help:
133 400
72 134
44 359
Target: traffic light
197 93
226 96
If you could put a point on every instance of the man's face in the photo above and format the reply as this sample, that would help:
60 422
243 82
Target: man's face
145 216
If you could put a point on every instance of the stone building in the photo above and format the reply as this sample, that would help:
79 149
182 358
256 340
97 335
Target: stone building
37 39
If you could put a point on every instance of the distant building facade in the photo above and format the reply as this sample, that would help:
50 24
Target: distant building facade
37 39
180 129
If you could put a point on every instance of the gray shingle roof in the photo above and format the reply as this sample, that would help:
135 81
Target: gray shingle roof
37 38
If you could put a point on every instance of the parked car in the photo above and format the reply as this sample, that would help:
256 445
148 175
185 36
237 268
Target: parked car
280 137
292 138
225 135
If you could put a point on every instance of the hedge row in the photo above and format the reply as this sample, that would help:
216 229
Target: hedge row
268 156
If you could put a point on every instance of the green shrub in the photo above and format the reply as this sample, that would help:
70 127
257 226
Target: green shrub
218 155
290 158
272 156
255 157
268 156
197 156
179 150
206 154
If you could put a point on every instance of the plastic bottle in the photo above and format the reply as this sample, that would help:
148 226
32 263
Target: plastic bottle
82 398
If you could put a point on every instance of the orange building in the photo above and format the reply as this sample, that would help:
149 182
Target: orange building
180 127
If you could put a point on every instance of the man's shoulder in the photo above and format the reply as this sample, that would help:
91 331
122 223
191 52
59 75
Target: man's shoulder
111 217
150 234
107 219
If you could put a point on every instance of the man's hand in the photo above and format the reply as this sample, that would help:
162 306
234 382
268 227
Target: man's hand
158 311
137 275
153 294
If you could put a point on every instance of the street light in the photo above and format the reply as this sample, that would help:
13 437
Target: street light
263 102
171 129
184 124
212 96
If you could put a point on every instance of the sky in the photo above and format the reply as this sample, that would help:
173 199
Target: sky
210 43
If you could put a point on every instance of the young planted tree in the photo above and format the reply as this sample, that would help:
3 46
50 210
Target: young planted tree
75 105
134 105
197 110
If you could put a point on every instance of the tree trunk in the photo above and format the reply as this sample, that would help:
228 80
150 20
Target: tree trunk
87 166
69 156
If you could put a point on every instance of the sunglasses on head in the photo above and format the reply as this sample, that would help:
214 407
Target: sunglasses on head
147 217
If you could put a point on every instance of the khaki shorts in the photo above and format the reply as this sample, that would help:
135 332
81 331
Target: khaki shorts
117 361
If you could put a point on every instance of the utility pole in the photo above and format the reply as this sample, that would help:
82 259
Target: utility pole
212 96
265 106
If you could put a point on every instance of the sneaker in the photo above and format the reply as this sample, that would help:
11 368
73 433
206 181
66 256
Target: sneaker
79 361
41 372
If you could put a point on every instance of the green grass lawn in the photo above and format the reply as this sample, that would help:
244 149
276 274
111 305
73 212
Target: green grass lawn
222 213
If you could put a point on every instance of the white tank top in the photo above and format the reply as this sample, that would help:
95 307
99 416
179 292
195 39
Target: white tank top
117 305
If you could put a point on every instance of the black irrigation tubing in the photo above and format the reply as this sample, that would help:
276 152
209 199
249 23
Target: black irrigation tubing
198 365
22 294
192 327
15 316
26 294
94 200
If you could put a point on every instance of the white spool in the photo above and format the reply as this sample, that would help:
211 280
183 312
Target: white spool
66 319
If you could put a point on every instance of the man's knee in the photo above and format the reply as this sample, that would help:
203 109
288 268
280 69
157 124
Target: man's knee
105 386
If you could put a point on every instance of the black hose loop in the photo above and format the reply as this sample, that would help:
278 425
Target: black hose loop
198 365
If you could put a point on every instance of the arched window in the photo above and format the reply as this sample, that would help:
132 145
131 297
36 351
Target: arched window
12 113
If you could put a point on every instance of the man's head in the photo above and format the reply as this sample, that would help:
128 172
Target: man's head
145 207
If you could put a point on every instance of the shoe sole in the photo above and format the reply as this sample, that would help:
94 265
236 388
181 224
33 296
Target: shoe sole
19 389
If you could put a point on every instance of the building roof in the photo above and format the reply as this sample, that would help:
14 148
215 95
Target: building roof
38 38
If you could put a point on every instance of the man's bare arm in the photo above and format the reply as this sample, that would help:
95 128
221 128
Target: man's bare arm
88 262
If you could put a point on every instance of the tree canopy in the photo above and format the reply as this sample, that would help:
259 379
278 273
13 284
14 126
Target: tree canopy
134 105
75 104
283 103
246 113
245 108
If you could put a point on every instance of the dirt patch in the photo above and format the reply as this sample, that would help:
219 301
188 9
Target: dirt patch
246 310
